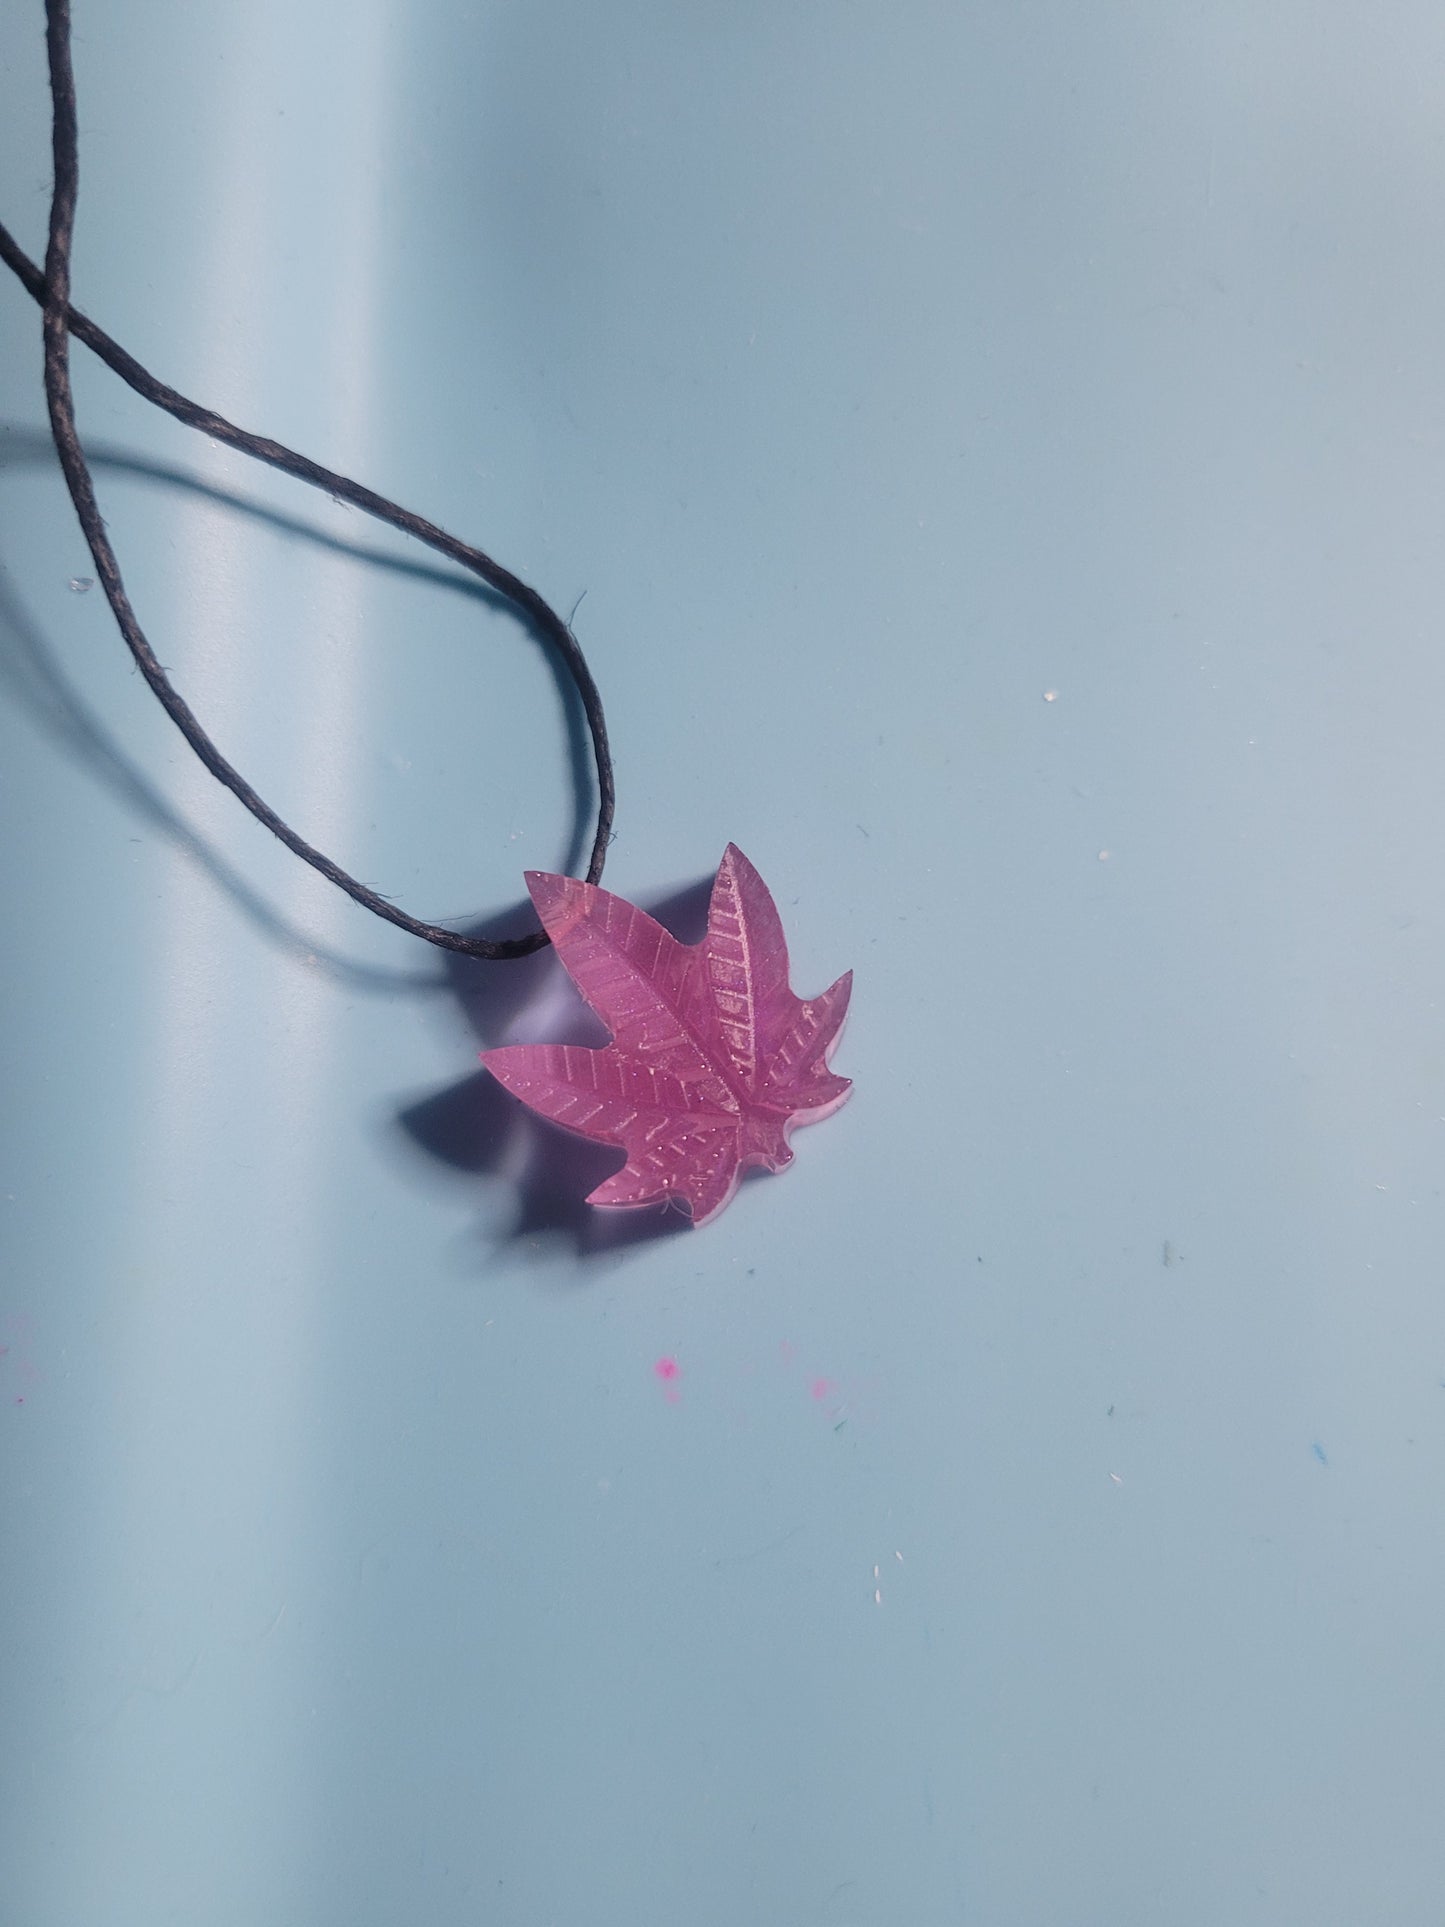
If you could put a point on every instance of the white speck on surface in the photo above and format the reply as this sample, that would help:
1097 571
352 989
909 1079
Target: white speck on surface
1103 856
1116 1479
1051 695
80 583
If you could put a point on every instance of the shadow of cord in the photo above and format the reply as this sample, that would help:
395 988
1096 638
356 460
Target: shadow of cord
30 669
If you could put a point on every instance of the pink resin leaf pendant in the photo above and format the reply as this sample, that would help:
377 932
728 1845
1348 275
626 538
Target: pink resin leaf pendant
713 1060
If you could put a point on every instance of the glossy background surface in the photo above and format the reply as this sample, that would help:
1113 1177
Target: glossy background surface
1045 1524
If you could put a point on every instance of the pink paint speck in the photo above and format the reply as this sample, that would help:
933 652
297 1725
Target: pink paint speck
668 1370
821 1388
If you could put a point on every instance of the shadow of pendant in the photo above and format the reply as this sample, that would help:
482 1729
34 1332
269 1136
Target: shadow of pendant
477 1126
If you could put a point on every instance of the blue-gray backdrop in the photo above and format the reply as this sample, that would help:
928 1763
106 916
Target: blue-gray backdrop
1001 451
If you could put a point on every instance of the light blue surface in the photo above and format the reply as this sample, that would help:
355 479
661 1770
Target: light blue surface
1049 1531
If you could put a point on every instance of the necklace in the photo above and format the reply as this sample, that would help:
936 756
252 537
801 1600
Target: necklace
713 1059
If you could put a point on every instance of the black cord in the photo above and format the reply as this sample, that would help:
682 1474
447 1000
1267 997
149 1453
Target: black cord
52 289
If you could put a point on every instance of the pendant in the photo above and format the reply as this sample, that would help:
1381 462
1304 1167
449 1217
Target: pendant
713 1060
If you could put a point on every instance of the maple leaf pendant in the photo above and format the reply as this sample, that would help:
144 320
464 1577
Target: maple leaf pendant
713 1060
